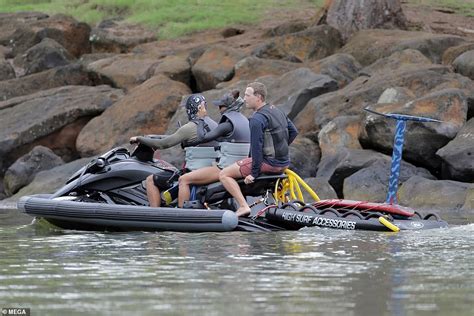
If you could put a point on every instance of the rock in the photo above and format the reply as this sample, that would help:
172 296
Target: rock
396 95
124 71
464 64
422 140
31 119
26 167
371 183
311 44
87 59
231 31
351 16
286 28
395 61
2 190
214 66
6 70
5 52
45 55
146 109
68 75
367 46
49 181
448 198
342 132
304 157
71 34
9 22
458 155
112 36
321 187
343 163
364 91
342 67
454 52
174 67
294 89
251 68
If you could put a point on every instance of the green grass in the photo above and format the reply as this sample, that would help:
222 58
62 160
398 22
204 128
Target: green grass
170 18
463 7
173 18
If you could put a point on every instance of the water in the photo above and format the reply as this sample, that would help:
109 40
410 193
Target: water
309 272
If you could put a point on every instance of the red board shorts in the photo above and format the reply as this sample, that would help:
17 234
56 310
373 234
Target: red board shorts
246 167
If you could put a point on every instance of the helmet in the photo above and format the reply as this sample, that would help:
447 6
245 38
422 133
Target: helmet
192 104
231 101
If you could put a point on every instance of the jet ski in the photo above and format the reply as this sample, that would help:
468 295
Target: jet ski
109 194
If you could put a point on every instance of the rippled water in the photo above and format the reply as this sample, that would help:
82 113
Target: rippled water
309 272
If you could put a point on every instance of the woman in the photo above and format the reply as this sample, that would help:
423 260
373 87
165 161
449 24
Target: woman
233 135
187 135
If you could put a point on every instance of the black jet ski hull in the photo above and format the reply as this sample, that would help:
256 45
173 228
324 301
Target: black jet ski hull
291 219
114 217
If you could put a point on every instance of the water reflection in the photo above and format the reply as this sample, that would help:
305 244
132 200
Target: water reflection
313 271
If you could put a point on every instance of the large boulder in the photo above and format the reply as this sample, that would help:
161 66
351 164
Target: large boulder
395 61
367 46
286 28
68 75
311 44
71 34
48 181
9 22
422 140
146 109
464 64
294 89
30 120
125 71
321 187
6 70
215 65
351 16
26 167
252 67
45 55
304 157
458 155
342 132
335 167
371 183
454 52
449 198
364 91
176 68
113 36
342 67
5 52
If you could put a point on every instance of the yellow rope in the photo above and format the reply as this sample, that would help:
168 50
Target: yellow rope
285 190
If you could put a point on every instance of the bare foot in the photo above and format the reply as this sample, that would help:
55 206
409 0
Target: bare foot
242 211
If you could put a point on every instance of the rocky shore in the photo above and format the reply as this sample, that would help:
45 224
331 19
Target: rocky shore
69 91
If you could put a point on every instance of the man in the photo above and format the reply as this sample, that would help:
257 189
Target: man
271 133
188 135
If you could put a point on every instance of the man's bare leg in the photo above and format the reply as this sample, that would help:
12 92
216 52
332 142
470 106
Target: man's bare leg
152 192
201 176
227 177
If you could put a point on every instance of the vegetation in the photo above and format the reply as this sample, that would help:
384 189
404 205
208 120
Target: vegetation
173 18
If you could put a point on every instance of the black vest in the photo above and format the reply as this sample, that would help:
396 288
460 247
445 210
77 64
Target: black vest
203 126
276 135
241 130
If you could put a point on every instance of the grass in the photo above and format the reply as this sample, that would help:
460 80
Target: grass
171 18
463 7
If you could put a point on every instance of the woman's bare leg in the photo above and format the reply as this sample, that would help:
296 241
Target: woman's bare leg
227 177
204 175
152 192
